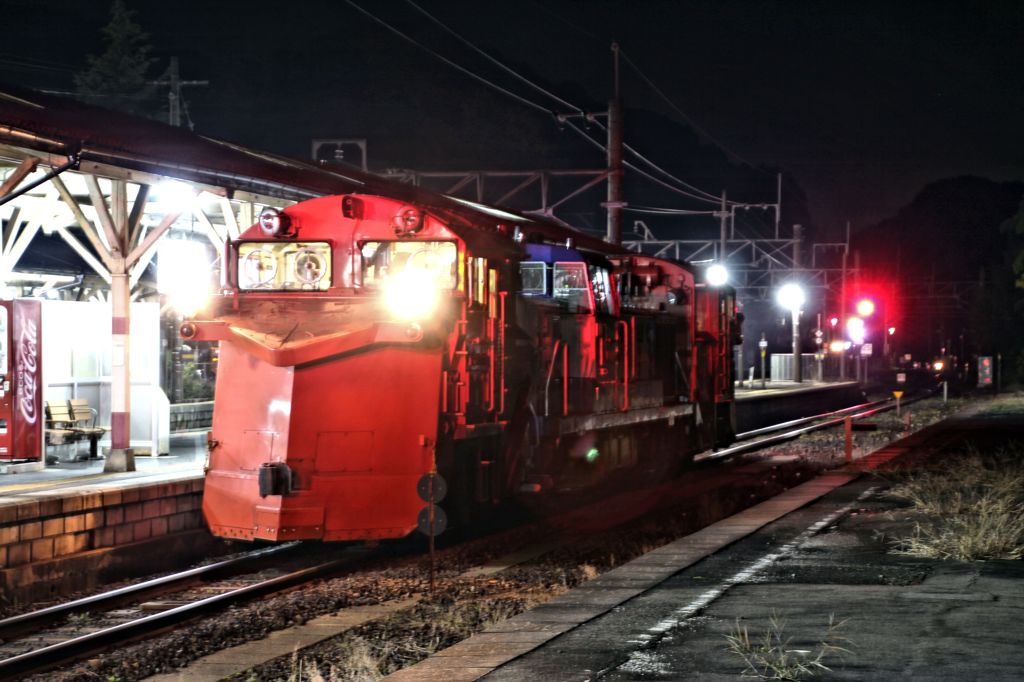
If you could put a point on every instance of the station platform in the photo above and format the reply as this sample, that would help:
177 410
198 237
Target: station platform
818 553
70 526
186 458
745 390
781 401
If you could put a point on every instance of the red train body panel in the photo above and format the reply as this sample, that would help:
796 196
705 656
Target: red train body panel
365 343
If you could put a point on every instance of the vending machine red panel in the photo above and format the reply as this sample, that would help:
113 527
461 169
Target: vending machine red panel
21 386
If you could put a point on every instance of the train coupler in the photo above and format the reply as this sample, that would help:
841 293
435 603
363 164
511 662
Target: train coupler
275 478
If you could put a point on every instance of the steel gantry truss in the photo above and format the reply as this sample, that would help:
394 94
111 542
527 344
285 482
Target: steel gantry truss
756 265
530 192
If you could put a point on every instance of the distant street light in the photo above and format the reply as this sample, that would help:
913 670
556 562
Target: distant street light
865 307
791 297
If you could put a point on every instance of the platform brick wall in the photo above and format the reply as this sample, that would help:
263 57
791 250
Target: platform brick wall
59 541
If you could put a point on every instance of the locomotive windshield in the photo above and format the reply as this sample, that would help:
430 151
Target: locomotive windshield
284 266
570 284
434 264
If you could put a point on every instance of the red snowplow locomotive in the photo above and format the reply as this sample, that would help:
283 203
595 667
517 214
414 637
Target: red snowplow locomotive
366 343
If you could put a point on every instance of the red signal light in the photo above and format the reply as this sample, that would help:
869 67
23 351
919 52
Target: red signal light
865 307
833 321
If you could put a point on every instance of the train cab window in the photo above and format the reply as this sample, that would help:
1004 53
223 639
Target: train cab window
604 299
570 285
284 266
434 261
534 276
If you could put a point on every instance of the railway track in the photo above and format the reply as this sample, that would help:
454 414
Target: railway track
49 638
56 636
759 439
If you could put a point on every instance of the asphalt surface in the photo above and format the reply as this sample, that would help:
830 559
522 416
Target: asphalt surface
903 618
831 560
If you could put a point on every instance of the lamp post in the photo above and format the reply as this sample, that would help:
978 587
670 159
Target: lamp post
791 296
763 346
857 333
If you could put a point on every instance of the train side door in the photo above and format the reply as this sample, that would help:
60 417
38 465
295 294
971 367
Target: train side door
484 340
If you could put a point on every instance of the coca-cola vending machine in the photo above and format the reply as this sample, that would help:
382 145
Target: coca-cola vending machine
21 383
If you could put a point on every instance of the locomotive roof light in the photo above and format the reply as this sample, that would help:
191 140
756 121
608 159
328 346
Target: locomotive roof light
716 275
408 221
273 223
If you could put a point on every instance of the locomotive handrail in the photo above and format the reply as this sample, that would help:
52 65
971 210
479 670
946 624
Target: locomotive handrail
625 362
551 371
632 346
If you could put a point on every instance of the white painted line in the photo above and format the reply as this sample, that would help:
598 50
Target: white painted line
655 632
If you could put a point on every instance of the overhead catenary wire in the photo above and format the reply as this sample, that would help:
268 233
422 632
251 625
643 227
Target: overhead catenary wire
693 193
459 68
665 211
515 74
512 72
689 121
638 170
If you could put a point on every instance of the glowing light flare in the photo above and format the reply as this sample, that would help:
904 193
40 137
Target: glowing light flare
892 330
592 455
183 275
411 294
856 330
938 365
716 275
838 346
173 195
790 296
833 321
865 307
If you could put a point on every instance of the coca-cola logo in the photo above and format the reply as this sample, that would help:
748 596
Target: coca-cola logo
28 362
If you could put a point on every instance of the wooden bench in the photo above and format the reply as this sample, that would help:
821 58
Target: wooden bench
84 418
69 421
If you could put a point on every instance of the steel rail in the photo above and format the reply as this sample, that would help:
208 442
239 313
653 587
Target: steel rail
25 623
55 655
796 433
747 435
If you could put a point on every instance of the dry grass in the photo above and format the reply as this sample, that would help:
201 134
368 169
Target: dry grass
374 651
772 656
974 504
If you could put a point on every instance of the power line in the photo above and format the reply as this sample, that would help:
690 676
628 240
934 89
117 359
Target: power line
700 195
640 171
558 99
467 72
666 211
708 136
491 59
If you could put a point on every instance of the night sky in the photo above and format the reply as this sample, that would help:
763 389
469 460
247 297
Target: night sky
862 103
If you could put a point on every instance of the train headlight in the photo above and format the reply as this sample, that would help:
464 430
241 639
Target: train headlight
408 221
412 294
274 223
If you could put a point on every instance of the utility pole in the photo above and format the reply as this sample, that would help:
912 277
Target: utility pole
615 203
778 202
174 97
723 215
842 304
